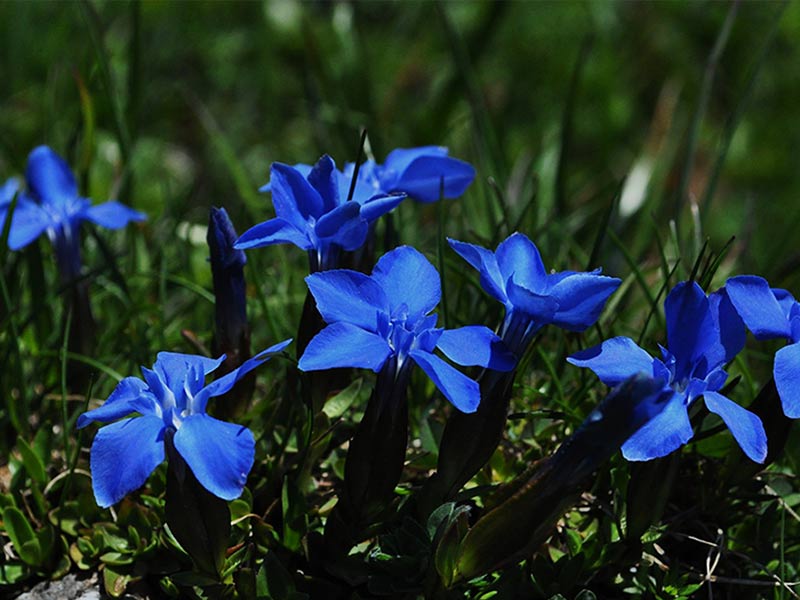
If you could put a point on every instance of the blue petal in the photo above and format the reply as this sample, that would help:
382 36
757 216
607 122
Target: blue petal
274 231
302 168
463 392
377 206
173 368
219 454
325 179
49 177
663 434
344 226
28 222
112 214
123 456
519 257
131 394
581 298
429 178
293 197
757 305
744 425
691 331
485 262
7 191
732 334
349 296
539 308
786 301
399 159
476 345
408 278
227 381
615 360
787 379
345 345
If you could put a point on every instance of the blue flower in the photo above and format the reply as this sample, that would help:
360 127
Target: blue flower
420 173
533 298
772 313
172 401
703 334
383 322
312 212
52 205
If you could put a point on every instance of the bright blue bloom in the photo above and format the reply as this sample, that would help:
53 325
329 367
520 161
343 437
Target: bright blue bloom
382 322
772 313
533 298
420 173
52 205
227 269
312 212
172 401
703 334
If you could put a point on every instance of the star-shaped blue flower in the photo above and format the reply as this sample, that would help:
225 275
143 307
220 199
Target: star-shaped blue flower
425 173
312 212
383 322
172 401
515 275
772 313
703 334
52 205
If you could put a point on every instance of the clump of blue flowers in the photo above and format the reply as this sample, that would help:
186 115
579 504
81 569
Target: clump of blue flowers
383 322
772 313
52 205
172 401
425 174
314 211
703 334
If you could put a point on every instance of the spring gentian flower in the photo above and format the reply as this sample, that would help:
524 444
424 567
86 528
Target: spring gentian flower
772 313
703 334
383 322
172 401
425 173
533 298
313 212
52 205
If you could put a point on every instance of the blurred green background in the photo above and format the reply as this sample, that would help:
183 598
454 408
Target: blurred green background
661 112
192 101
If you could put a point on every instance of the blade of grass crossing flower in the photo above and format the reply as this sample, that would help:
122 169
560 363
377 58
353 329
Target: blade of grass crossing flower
440 251
357 168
